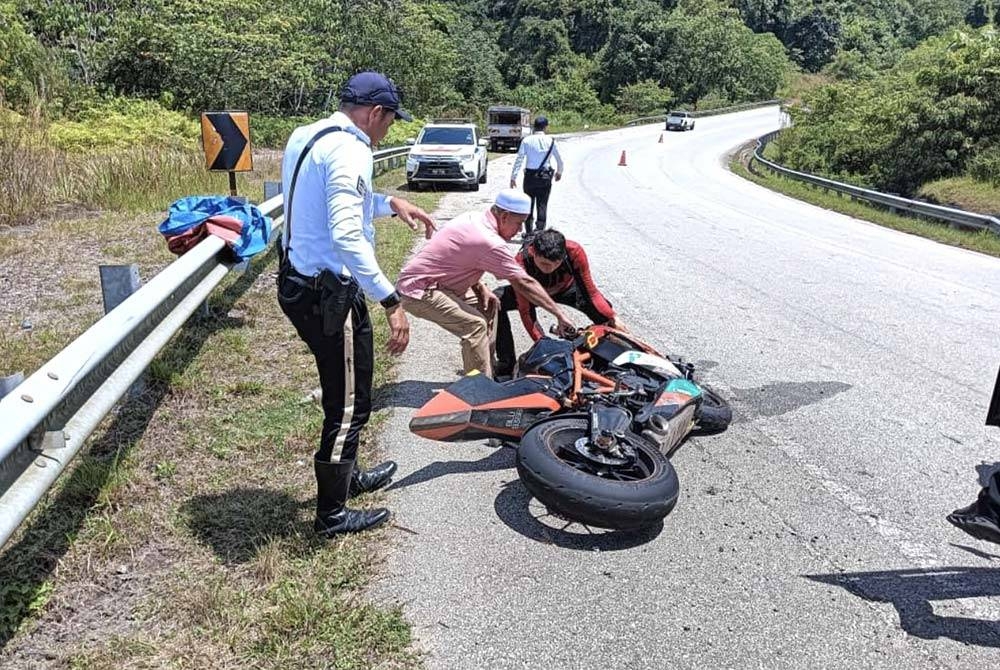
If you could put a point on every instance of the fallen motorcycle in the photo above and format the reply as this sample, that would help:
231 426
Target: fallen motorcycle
595 419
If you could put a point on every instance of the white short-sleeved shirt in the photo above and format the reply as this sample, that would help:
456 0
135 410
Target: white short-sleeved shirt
334 207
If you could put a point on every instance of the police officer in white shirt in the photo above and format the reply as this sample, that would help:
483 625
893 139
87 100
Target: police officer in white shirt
328 267
536 152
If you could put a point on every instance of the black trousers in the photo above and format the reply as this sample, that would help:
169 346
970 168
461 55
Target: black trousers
333 321
539 190
506 355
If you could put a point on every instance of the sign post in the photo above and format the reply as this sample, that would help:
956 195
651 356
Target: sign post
226 139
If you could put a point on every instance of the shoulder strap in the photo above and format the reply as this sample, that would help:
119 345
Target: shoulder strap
291 188
547 154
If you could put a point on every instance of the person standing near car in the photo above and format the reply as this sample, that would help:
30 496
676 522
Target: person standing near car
328 266
536 153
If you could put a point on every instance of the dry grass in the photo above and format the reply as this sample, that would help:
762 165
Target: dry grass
36 178
183 537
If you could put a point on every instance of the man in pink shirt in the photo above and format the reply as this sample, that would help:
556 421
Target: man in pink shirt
442 282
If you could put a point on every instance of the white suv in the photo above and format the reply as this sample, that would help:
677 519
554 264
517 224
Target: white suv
680 121
447 152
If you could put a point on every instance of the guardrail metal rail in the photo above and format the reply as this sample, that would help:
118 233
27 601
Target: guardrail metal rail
953 217
46 419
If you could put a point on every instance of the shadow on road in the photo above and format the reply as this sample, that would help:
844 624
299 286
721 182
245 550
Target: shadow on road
408 393
498 459
525 515
911 592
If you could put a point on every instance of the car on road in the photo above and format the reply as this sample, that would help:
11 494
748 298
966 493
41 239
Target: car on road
680 121
447 152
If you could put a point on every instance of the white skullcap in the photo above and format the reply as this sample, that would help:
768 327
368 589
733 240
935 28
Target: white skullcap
513 200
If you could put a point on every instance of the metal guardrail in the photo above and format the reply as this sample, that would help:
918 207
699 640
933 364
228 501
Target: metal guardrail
707 112
389 159
47 418
954 217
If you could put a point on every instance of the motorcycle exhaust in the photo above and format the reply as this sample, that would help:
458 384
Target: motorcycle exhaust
668 433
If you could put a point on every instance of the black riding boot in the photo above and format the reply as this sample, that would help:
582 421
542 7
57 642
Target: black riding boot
333 482
366 481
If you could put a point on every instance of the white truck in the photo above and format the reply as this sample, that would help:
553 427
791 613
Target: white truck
680 121
447 151
506 126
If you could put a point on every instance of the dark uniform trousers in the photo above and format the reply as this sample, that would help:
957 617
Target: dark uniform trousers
505 352
332 319
538 190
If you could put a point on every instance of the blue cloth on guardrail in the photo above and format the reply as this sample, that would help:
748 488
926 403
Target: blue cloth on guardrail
242 225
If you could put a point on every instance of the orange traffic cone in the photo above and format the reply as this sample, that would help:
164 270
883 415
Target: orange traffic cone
621 161
661 139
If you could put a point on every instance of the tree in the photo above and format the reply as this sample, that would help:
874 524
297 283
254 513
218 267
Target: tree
711 50
642 97
23 61
812 40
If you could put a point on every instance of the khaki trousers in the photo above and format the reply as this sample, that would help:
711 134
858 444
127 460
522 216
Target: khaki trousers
460 316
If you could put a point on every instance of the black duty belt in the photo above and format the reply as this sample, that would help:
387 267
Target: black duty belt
317 282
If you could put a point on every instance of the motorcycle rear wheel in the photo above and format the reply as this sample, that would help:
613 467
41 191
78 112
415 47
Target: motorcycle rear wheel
622 498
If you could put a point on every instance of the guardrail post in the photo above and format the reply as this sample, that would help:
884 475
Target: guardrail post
10 382
271 189
118 282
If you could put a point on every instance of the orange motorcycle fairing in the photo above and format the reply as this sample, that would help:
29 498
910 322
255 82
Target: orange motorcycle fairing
477 407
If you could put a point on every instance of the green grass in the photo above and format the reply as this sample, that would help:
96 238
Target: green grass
201 491
965 193
983 241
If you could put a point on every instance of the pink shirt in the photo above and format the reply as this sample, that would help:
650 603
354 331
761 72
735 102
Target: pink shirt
458 255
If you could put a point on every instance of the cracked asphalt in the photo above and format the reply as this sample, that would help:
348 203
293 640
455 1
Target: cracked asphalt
859 363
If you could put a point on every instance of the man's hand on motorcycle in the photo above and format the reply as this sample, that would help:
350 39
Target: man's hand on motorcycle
618 324
565 328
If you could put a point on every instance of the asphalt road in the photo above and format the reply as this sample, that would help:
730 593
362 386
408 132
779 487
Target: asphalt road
859 362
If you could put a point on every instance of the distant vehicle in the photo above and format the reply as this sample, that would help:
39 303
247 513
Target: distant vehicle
447 151
506 126
680 121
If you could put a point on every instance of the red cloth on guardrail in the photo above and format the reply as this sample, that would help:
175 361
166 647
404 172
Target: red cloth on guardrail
226 227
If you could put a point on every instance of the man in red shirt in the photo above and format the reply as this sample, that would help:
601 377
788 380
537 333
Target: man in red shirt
562 268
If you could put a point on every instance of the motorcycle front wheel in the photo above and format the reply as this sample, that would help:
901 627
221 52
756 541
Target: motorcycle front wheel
620 497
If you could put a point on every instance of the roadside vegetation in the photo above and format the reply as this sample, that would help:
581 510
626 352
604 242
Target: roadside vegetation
927 126
183 537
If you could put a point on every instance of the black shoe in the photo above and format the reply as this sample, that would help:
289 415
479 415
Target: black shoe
349 520
333 517
366 481
980 526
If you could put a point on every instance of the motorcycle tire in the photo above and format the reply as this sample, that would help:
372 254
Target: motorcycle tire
715 414
558 477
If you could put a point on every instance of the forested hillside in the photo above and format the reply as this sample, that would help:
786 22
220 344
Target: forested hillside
71 71
588 56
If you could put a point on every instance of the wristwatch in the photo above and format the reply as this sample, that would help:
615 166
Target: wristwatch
390 301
